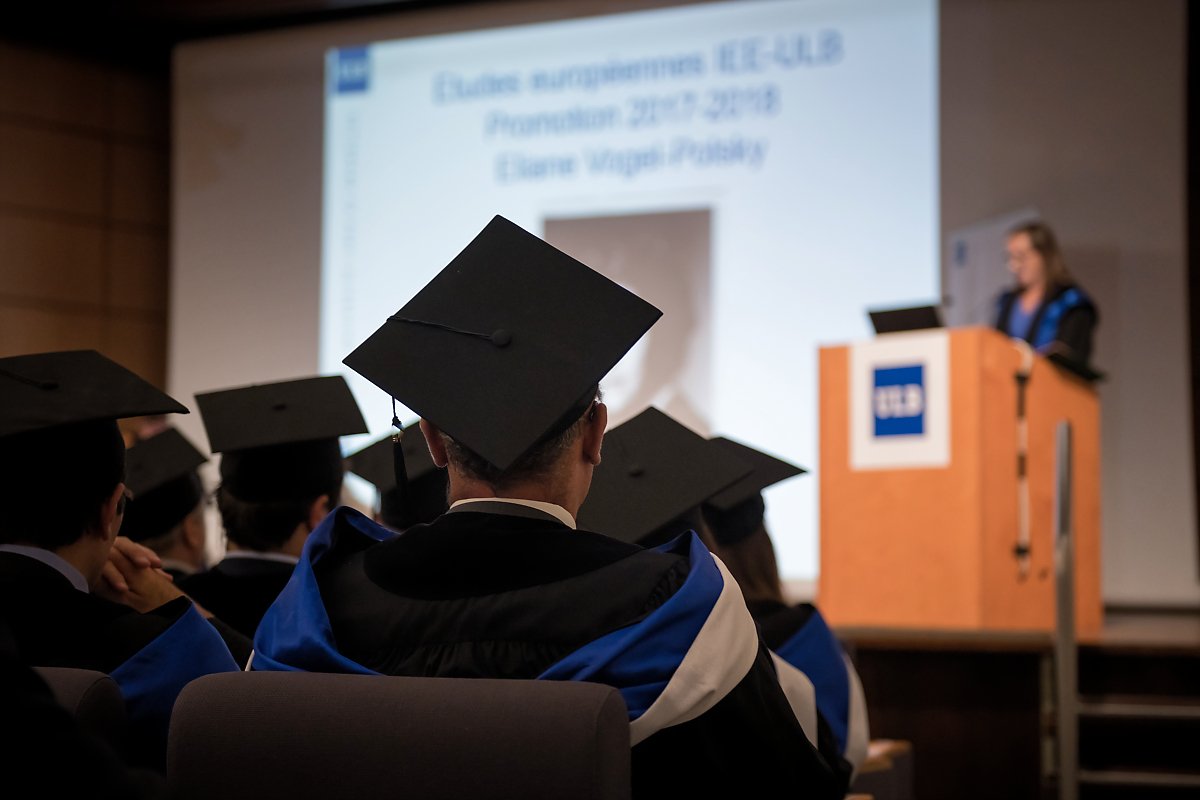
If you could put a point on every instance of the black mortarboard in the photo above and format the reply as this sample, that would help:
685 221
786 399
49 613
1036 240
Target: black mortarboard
46 390
160 473
279 441
654 470
735 512
503 347
425 497
765 470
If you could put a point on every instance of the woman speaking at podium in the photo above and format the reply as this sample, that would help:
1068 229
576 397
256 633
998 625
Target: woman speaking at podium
1045 308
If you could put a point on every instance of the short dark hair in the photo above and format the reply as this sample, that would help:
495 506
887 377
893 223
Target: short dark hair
536 463
268 524
55 482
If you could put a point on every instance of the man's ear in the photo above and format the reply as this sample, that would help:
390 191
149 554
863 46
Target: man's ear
195 530
593 433
437 447
319 509
112 512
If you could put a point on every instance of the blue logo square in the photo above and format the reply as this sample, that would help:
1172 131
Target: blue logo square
352 70
899 401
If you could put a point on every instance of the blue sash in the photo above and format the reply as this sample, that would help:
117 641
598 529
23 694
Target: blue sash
815 651
1047 330
154 676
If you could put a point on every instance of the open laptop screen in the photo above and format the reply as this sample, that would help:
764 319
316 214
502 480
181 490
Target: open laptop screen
894 320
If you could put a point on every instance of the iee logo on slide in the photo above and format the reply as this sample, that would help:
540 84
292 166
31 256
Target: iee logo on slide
900 401
352 70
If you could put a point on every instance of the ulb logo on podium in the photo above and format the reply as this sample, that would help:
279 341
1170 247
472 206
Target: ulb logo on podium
899 400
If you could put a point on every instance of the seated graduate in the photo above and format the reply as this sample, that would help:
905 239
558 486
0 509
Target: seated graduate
420 497
501 354
655 477
1046 308
62 470
165 511
736 532
281 473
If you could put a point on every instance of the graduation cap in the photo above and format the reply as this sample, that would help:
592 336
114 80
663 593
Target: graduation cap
279 441
654 471
46 390
160 473
735 512
424 497
503 348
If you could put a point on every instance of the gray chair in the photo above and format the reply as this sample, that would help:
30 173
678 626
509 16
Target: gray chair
93 699
291 736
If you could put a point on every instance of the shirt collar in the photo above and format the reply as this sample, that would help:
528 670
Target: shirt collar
50 559
554 510
282 558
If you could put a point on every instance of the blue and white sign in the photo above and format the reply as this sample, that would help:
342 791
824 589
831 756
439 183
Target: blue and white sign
351 69
900 401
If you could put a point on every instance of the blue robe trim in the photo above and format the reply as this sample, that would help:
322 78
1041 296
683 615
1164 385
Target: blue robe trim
815 651
295 634
638 660
1047 331
153 677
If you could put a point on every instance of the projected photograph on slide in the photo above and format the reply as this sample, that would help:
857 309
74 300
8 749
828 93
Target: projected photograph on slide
666 259
761 171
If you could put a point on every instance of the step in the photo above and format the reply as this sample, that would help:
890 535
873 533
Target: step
1140 707
1117 777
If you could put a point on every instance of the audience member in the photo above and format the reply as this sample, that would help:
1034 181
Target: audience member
502 585
62 471
166 509
281 473
736 532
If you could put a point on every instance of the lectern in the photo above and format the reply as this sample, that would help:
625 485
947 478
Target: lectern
924 439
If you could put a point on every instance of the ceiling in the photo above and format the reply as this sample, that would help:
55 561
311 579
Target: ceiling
141 33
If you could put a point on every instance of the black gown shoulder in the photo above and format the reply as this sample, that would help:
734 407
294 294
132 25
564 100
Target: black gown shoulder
239 591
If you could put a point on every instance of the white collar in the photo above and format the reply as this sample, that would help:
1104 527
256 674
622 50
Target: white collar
282 558
554 510
50 559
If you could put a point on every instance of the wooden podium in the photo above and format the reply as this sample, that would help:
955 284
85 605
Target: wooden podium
932 547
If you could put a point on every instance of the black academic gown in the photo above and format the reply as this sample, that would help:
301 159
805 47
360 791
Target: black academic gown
779 622
53 624
238 591
506 595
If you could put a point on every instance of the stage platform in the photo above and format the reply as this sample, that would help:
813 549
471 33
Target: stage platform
979 707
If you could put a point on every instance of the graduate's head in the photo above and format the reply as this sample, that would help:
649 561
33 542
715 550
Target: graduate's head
735 526
62 457
559 468
281 461
500 354
268 494
166 508
58 484
1034 257
739 538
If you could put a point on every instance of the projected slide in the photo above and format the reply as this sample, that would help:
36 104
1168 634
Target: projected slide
761 171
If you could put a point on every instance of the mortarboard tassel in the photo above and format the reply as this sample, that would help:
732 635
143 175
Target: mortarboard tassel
398 462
